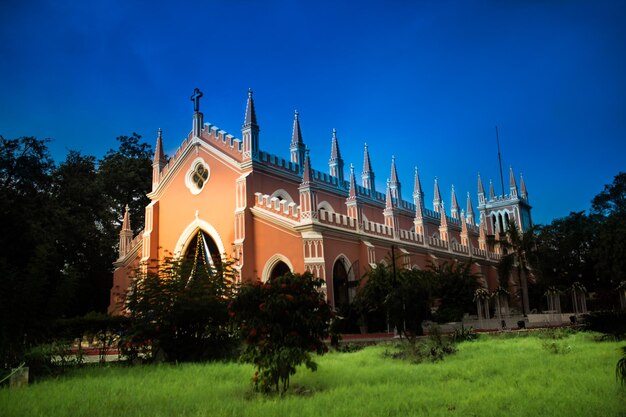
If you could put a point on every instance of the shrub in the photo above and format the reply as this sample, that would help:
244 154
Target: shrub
283 322
463 335
432 349
611 323
180 312
51 359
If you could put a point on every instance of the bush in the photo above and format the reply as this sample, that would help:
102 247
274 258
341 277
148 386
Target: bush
283 322
51 359
611 323
432 349
180 312
463 335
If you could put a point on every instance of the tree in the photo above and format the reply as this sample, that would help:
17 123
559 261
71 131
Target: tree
454 284
608 252
84 239
404 299
519 255
180 310
612 200
564 251
283 322
125 176
26 248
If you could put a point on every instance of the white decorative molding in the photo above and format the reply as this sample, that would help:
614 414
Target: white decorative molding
191 230
271 263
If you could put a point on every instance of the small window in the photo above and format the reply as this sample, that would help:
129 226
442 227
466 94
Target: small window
200 175
197 176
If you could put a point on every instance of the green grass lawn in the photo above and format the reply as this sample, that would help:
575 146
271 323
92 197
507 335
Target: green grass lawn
494 376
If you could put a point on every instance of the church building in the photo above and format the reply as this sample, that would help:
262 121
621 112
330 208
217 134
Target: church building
275 215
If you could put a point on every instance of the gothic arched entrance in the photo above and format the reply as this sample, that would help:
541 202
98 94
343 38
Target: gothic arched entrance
202 254
341 292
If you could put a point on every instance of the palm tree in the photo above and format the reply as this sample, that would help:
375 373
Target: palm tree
518 255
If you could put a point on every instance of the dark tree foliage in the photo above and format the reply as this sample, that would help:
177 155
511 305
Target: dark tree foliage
84 239
564 250
125 177
454 284
608 253
26 244
612 200
59 232
283 322
403 300
180 312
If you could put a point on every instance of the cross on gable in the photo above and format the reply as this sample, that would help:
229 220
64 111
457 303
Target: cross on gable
196 99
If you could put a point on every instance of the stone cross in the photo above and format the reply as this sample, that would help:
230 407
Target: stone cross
196 99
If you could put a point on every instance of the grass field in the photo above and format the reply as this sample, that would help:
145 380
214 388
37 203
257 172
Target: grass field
494 376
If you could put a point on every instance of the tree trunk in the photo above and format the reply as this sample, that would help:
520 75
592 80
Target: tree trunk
524 283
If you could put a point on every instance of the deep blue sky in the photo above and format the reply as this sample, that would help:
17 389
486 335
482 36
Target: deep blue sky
426 81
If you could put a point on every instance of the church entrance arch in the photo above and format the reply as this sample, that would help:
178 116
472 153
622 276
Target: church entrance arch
202 248
191 232
342 282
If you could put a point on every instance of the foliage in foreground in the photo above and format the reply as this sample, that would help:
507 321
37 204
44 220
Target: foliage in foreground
494 376
180 312
620 369
283 322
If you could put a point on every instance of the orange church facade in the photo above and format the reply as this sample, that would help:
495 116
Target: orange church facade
274 215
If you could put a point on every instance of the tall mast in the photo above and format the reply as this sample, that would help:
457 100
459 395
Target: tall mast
500 161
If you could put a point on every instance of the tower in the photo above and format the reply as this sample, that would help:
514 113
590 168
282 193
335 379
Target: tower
454 205
418 200
250 131
367 176
335 163
158 161
297 147
308 195
437 198
394 183
126 234
501 213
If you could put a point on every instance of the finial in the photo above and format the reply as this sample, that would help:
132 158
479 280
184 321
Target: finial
351 168
249 92
295 114
307 151
127 208
159 133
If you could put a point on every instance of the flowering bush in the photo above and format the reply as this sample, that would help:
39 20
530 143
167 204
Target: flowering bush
283 322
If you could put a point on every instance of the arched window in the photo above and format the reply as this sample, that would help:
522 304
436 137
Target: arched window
279 269
324 205
282 195
276 266
341 293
